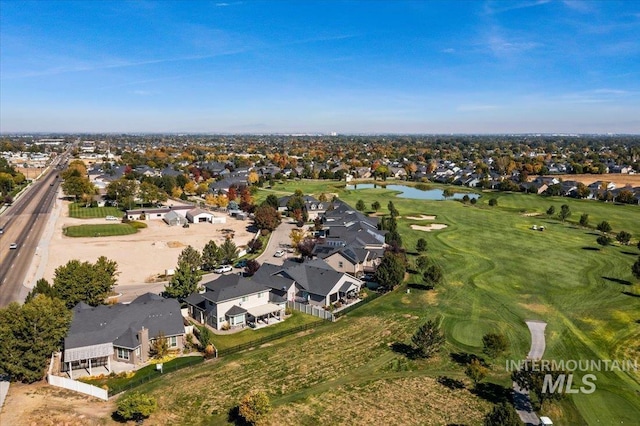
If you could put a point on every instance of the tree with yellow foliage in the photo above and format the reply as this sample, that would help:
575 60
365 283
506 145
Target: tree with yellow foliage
253 178
190 187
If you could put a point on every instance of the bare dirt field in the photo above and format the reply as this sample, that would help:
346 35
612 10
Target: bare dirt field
41 404
619 180
143 255
429 228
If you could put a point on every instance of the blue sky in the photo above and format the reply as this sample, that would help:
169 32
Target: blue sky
329 66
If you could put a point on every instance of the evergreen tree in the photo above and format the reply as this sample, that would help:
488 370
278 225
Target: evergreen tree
428 339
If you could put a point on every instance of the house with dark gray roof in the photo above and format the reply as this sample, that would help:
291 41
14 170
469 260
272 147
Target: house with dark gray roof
121 332
352 259
233 301
314 282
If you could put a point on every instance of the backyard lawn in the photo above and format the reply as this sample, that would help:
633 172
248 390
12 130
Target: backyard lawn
79 211
498 273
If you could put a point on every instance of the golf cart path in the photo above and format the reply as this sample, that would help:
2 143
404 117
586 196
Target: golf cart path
520 396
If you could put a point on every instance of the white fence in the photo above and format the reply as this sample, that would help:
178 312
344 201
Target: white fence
4 390
311 310
63 382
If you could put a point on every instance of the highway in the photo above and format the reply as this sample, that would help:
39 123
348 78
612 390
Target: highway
23 224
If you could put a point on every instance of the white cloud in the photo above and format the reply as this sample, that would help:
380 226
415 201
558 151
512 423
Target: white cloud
492 8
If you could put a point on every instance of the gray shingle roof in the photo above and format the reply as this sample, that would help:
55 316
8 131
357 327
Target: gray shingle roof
315 276
229 287
236 310
113 323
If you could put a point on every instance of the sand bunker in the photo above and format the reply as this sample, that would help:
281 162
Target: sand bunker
429 228
421 217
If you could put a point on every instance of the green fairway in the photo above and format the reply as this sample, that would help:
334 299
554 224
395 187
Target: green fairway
106 230
498 273
81 212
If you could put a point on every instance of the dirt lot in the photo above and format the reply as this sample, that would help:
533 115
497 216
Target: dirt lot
140 256
41 404
618 179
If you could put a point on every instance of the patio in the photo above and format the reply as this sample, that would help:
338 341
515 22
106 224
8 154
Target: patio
80 371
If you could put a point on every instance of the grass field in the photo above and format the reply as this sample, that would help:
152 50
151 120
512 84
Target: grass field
79 211
106 230
499 273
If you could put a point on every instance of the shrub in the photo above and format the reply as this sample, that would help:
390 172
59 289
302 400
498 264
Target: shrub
254 406
136 406
138 225
493 202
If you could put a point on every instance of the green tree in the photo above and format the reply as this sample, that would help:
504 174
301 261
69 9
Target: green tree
494 344
136 406
551 211
603 240
29 334
502 414
623 237
421 245
565 212
531 378
122 191
228 251
271 200
191 257
42 287
604 227
433 275
493 202
360 206
584 220
159 347
85 282
428 339
393 238
376 205
447 193
184 282
210 256
266 217
422 263
635 269
392 210
254 407
476 371
77 186
391 271
151 194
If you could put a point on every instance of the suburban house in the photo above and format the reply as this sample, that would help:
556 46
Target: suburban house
234 301
353 260
345 226
120 332
314 282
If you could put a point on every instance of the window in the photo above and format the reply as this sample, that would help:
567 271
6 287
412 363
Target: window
260 295
138 351
340 264
245 298
122 353
173 341
158 215
221 319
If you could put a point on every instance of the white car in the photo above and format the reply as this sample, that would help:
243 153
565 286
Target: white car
111 218
222 269
279 253
13 246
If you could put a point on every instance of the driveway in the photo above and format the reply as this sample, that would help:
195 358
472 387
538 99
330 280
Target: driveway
279 239
521 399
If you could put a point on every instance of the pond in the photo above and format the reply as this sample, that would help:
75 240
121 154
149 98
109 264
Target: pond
411 192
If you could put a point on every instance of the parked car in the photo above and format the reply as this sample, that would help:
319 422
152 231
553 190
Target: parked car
222 269
1 230
279 253
13 246
111 218
241 263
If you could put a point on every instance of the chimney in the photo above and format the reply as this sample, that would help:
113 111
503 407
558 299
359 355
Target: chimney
143 338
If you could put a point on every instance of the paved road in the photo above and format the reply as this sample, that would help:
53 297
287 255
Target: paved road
521 399
279 239
23 224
